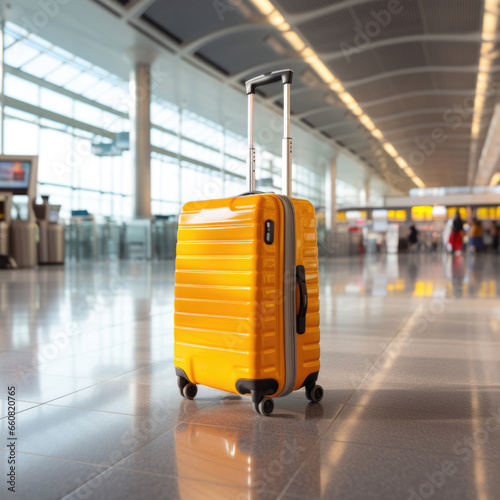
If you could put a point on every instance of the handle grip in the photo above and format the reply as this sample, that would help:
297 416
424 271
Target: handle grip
285 75
301 315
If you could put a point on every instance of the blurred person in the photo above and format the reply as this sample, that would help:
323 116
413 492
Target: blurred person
413 239
380 242
457 234
488 237
476 235
495 233
446 235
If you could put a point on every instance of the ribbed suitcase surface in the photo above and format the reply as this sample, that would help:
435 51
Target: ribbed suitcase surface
308 351
228 315
229 296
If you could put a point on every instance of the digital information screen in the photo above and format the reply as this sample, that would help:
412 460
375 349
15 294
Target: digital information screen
54 215
14 175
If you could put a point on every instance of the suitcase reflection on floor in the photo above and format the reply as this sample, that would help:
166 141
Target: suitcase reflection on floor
240 464
234 461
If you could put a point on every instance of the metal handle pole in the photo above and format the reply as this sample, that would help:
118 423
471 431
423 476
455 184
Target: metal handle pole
287 144
251 149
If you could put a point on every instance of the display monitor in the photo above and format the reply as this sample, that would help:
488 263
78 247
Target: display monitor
16 174
54 214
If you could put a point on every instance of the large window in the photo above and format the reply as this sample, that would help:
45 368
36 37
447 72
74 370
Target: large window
58 105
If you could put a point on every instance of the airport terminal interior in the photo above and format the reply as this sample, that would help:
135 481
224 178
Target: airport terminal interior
177 321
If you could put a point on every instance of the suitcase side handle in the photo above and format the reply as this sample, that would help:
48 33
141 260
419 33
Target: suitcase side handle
301 315
285 75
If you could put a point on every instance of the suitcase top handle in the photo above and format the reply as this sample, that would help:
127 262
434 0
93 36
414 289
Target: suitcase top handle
285 76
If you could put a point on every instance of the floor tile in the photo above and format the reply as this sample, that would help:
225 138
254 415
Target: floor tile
44 478
117 484
6 405
17 360
135 399
422 429
290 415
338 470
37 387
95 437
99 367
157 373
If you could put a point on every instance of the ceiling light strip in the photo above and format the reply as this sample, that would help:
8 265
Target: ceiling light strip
274 16
489 31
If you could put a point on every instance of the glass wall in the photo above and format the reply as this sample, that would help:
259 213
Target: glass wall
348 195
58 106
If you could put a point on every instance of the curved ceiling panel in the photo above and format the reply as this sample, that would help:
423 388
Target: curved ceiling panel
298 6
452 16
378 20
452 54
358 66
320 34
314 100
188 20
236 52
410 120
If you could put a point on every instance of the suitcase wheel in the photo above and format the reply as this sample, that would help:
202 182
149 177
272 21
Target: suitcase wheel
190 390
265 407
315 395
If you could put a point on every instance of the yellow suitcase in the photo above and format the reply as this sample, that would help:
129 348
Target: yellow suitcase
246 287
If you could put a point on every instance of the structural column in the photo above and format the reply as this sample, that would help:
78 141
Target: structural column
367 191
331 197
140 136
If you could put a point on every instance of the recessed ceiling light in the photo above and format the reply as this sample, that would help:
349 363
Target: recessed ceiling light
366 121
495 180
294 40
390 149
265 6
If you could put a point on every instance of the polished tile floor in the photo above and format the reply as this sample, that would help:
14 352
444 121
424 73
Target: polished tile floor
410 368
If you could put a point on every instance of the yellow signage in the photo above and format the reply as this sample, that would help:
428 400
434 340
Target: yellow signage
421 213
423 289
453 210
396 215
485 213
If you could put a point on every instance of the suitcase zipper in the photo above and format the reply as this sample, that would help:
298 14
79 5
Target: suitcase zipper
289 299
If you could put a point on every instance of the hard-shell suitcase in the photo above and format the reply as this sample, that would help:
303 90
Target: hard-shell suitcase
246 287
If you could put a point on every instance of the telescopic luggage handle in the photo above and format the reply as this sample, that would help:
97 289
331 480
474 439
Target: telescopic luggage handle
285 76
